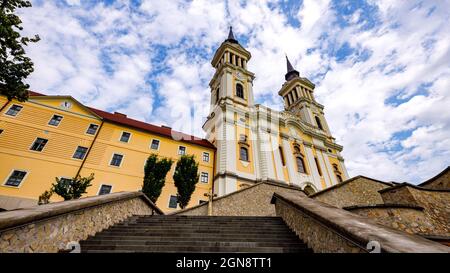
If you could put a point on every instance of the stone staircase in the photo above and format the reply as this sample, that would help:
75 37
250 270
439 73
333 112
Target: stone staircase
183 234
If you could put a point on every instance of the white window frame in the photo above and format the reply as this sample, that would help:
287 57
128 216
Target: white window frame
207 177
168 203
121 162
62 117
34 142
185 150
203 157
96 131
18 113
100 187
87 150
129 139
159 144
21 182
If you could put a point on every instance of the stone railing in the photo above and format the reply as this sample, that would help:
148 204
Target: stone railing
330 229
49 228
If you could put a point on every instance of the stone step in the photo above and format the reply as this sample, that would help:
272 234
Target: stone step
207 229
204 233
216 243
279 239
288 235
193 249
168 224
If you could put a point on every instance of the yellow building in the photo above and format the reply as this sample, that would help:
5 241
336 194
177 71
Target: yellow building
56 136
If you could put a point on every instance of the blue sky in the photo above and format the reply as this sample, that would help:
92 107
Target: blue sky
381 68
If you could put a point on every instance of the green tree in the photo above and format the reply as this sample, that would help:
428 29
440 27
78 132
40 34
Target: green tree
155 172
15 66
73 188
185 177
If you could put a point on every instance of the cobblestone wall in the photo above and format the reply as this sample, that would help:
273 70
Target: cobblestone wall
439 182
410 220
53 234
436 206
358 191
251 201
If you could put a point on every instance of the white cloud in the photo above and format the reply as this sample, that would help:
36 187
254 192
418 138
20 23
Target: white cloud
110 56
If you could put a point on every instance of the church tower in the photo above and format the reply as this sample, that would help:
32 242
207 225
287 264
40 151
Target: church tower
228 125
298 97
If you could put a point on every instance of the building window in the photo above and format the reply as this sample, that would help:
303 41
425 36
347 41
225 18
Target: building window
282 156
155 144
204 177
15 178
116 160
239 90
80 153
300 164
173 202
1 131
55 121
39 144
297 150
318 166
92 129
105 189
339 178
319 124
243 153
202 202
205 157
125 137
181 150
14 110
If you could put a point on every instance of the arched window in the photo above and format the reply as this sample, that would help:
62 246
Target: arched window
296 150
300 164
339 178
217 96
335 167
243 152
239 90
319 124
282 156
309 190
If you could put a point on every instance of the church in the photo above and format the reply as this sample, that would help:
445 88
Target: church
256 143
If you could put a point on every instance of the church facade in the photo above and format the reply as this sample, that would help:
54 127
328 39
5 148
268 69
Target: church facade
255 143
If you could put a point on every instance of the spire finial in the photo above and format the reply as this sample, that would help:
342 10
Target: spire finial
231 38
289 65
291 72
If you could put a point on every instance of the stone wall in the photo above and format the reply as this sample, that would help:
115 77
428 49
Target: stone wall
49 228
326 228
356 191
436 204
439 182
251 201
412 220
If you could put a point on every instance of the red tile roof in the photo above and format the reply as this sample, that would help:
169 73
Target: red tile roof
122 119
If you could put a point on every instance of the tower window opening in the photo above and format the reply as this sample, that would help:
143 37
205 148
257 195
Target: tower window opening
239 91
319 124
